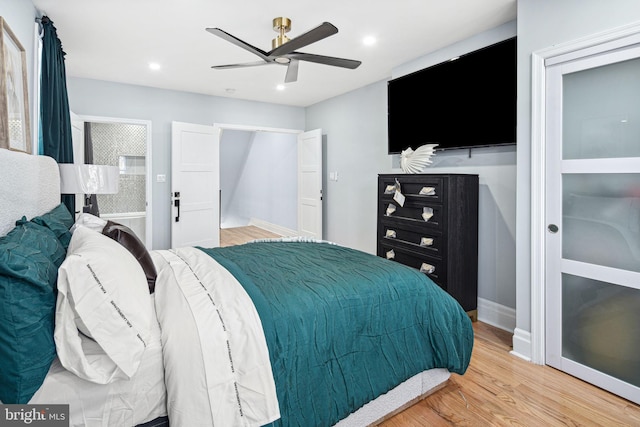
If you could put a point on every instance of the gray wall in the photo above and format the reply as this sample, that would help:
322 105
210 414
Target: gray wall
106 99
355 125
354 128
543 24
258 178
234 149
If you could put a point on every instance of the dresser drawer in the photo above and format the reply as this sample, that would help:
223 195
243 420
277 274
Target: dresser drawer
417 213
430 188
431 266
419 238
403 234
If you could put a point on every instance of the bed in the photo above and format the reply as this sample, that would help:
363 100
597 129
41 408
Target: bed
280 332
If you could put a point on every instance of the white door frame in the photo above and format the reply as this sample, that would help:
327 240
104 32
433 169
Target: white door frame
148 225
597 43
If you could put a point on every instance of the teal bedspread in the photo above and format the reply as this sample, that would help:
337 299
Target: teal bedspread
344 326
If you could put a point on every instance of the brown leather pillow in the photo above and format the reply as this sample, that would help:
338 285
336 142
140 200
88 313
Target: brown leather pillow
127 238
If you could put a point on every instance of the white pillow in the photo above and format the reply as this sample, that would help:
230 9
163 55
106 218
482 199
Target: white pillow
102 290
90 221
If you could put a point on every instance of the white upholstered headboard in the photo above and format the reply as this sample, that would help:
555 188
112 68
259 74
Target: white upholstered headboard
29 186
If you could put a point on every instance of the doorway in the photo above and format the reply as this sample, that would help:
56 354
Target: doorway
126 144
258 180
195 181
307 163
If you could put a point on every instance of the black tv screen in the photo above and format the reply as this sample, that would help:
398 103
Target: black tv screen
461 103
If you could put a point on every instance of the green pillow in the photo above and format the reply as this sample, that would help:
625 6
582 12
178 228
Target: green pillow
59 220
30 255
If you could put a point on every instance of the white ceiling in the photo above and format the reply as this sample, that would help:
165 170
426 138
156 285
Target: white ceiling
115 40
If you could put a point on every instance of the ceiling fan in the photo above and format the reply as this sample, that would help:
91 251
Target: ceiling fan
284 49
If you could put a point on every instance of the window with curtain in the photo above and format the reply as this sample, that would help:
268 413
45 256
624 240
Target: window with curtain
55 120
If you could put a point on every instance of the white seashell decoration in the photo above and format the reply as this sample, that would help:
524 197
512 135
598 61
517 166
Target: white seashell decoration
414 161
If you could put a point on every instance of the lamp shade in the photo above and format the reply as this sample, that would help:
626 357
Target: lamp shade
88 179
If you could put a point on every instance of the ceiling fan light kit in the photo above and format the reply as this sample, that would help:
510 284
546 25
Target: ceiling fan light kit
283 50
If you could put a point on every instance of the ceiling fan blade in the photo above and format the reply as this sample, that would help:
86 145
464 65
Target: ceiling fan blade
318 33
244 65
292 72
326 60
236 41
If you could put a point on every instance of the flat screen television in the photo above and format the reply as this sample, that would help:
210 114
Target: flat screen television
462 103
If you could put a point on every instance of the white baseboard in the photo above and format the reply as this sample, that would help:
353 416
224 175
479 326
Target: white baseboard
522 344
496 315
277 229
505 318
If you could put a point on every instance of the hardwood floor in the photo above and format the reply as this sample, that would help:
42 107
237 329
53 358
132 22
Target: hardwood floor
239 235
500 389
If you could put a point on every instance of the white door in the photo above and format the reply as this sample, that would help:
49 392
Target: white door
195 185
593 214
310 184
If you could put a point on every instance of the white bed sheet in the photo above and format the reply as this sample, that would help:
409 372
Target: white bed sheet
120 403
216 358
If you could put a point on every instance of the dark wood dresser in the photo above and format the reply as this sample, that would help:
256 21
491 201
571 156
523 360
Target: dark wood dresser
435 230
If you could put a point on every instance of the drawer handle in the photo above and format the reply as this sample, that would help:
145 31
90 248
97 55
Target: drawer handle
391 254
427 268
427 213
427 191
426 241
390 189
391 209
390 234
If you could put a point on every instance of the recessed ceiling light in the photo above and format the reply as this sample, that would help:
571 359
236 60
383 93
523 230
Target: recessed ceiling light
280 87
369 41
154 66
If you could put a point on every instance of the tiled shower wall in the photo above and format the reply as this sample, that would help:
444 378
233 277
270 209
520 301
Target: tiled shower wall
111 141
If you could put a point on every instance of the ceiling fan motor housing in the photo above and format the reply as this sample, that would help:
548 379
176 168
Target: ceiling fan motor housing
281 25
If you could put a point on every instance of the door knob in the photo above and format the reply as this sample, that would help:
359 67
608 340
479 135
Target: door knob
552 228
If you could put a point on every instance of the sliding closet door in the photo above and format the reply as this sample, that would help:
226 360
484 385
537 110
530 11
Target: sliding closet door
593 216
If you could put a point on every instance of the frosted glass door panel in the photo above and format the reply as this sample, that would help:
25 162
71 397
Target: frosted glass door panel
601 324
602 112
592 244
601 219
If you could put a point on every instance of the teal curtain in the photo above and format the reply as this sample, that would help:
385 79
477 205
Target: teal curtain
55 119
